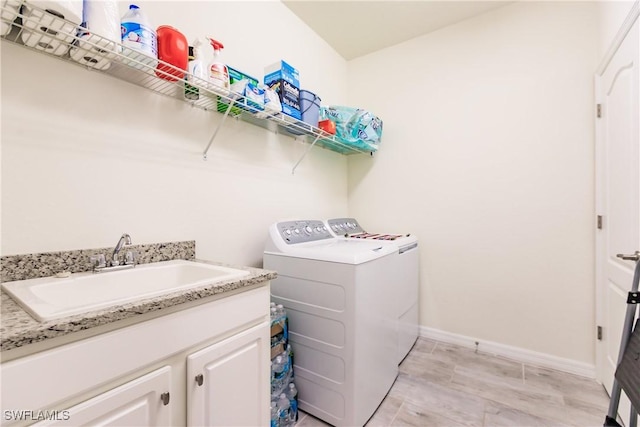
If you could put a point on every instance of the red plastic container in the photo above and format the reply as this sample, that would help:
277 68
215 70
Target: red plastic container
328 126
172 49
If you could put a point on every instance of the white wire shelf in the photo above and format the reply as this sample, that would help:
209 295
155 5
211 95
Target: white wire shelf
36 29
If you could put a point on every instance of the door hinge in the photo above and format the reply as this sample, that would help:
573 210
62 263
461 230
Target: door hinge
599 333
599 222
599 110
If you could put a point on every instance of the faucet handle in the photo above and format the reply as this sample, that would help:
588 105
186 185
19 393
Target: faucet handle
98 261
130 258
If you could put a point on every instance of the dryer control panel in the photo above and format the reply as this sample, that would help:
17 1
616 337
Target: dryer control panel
293 232
349 227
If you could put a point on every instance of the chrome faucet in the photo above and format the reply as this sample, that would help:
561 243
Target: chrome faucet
125 240
99 263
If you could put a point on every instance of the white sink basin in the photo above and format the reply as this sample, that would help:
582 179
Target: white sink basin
50 297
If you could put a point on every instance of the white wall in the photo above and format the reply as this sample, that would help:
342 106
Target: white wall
488 157
611 15
86 157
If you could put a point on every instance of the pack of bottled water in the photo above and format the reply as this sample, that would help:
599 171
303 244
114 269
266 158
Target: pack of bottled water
284 410
279 326
284 395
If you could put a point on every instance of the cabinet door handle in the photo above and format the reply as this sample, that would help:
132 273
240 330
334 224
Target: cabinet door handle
199 379
165 398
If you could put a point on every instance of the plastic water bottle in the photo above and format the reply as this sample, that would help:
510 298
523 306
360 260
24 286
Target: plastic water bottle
289 352
138 35
284 409
274 414
286 379
282 313
288 369
292 395
277 367
286 361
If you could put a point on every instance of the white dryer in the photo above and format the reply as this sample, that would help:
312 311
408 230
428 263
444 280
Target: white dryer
406 276
342 328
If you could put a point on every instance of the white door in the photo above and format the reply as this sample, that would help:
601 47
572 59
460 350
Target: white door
617 199
142 402
228 382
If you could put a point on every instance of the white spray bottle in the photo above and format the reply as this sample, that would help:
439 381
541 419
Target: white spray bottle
197 70
218 73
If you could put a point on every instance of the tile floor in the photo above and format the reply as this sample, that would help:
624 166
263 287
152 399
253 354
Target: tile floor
446 385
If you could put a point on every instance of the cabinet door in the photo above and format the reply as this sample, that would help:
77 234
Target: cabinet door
136 403
228 382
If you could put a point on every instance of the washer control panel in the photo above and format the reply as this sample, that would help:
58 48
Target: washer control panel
293 232
343 226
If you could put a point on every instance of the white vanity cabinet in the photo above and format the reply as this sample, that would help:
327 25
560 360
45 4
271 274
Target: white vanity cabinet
223 377
145 373
144 401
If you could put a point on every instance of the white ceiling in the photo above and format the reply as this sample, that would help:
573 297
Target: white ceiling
358 27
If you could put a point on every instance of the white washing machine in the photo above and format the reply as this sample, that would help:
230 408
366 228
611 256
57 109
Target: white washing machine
342 328
406 279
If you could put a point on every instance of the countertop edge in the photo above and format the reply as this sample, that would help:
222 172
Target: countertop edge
18 328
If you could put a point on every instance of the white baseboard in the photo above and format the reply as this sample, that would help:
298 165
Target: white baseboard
514 353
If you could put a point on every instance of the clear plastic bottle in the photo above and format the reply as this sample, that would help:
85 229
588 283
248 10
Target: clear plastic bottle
284 381
284 409
274 414
286 362
277 368
289 352
284 320
292 394
138 34
285 356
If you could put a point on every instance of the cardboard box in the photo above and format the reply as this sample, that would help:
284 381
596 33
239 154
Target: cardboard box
282 70
276 328
285 80
276 350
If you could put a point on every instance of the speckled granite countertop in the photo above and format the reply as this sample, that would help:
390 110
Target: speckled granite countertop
18 328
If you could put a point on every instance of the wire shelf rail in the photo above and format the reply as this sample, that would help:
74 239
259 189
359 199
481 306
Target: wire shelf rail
36 29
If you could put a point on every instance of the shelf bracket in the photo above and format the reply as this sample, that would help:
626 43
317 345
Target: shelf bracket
215 133
293 171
